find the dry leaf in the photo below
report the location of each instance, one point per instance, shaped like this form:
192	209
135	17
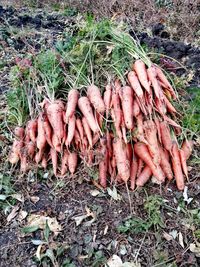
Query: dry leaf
22	215
94	192
19	197
105	230
167	236
34	199
195	248
180	239
40	221
38	252
13	213
89	213
114	261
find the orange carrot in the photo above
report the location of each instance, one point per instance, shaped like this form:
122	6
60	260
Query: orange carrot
32	129
127	106
136	108
135	84
41	139
71	130
142	151
71	103
123	128
144	176
47	129
87	131
55	115
183	162
140	166
85	108
162	77
99	118
140	128
44	162
15	152
54	158
95	98
117	110
107	98
129	152
169	106
77	138
141	72
176	165
64	163
165	165
151	137
79	127
19	132
123	164
171	122
187	147
95	138
30	149
165	136
134	169
55	142
23	162
160	106
157	123
152	75
72	162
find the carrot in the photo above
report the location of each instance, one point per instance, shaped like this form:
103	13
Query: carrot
171	122
149	101
151	137
123	164
176	165
127	106
129	152
144	176
141	72
87	131
23	162
56	143
117	110
183	162
86	109
109	143
164	163
140	166
162	77
99	118
157	123
19	132
152	75
79	127
95	138
135	84
95	98
187	147
140	128
55	115
32	129
44	162
142	151
107	98
136	108
169	106
72	162
165	136
161	108
30	149
134	169
47	130
77	138
15	152
54	158
123	128
71	103
41	139
90	158
71	130
117	87
64	163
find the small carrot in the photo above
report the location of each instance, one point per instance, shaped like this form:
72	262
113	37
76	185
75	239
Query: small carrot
140	166
169	106
30	149
165	136
136	108
86	109
44	162
183	162
19	132
71	103
187	147
79	127
72	162
47	129
64	162
41	139
107	98
71	130
141	72
135	84
87	131
176	165
129	152
95	98
140	128
165	164
32	126
144	176
15	152
127	106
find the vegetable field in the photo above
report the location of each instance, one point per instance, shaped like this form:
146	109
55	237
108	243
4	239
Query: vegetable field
99	139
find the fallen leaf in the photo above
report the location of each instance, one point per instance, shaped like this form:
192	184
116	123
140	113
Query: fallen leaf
22	215
105	230
185	195
173	233
13	213
40	221
167	236
114	261
89	213
94	192
38	254
113	193
195	248
34	199
19	197
180	239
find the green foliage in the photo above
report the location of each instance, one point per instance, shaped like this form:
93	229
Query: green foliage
136	225
6	192
164	3
191	113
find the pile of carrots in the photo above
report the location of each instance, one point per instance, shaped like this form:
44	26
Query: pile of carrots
127	131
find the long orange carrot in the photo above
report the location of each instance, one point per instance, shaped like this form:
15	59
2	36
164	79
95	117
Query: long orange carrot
165	164
141	72
135	84
187	147
183	162
95	98
72	162
71	130
47	129
165	136
107	98
136	108
144	176
87	131
127	106
79	127
152	75
71	103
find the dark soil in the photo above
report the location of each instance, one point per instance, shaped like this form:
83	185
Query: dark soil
84	242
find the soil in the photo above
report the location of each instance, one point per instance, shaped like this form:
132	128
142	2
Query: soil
85	241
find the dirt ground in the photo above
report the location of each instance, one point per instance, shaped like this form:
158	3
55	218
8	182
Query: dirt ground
90	220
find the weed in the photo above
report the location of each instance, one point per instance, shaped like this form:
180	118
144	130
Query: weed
136	225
